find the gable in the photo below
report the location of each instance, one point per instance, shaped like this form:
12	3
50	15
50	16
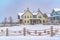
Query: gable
45	15
27	13
39	14
55	13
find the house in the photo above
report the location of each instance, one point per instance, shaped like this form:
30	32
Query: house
32	18
55	16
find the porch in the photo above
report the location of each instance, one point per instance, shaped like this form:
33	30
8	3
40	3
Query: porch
35	21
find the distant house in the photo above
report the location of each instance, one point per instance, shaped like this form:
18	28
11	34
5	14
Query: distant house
55	16
32	18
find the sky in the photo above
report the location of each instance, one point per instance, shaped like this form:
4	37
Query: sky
12	7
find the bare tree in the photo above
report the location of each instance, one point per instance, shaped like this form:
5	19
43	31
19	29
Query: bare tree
11	21
5	21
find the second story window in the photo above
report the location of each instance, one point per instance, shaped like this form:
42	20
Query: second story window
25	16
39	16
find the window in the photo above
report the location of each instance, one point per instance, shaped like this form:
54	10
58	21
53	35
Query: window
25	16
25	21
54	18
28	21
39	16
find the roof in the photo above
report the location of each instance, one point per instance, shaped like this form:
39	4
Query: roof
23	13
20	14
45	15
48	15
57	9
54	16
34	13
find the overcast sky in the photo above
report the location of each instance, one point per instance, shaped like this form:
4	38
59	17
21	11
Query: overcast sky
12	7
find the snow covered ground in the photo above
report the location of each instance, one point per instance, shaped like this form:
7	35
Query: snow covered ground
29	38
31	27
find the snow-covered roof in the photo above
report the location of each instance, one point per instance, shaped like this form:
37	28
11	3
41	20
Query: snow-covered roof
57	9
23	13
54	16
20	14
48	15
34	13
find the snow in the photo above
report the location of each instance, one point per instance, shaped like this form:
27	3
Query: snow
28	38
57	9
37	26
34	13
20	14
31	27
48	15
23	13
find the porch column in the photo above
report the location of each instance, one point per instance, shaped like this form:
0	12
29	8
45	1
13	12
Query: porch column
42	21
36	21
32	21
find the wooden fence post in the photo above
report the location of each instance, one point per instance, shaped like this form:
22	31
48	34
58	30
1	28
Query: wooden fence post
44	31
52	33
35	31
24	31
7	32
48	32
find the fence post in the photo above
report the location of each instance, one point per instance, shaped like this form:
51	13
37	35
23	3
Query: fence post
7	32
24	31
35	31
39	33
52	33
44	31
